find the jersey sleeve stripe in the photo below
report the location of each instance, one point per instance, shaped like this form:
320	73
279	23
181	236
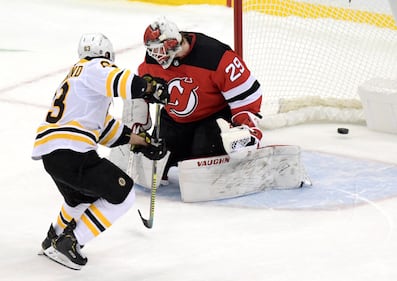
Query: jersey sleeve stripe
123	84
108	127
250	100
116	84
112	134
240	88
109	82
250	92
246	93
108	118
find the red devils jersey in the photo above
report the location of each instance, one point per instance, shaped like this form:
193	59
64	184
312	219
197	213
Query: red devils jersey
205	81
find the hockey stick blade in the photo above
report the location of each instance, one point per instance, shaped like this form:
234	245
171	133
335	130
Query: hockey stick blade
148	223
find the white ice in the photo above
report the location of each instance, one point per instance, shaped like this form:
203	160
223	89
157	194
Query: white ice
203	242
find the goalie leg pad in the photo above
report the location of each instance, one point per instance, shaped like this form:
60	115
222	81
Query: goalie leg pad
136	116
119	155
221	177
140	169
287	169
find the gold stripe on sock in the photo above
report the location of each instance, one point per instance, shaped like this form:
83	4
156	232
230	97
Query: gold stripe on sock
100	216
63	218
65	214
60	222
90	225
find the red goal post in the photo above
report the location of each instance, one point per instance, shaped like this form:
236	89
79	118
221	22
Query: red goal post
238	27
311	55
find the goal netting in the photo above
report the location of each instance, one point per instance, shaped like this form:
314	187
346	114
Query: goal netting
311	56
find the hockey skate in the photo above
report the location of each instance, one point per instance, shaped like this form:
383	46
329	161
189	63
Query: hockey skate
47	242
65	249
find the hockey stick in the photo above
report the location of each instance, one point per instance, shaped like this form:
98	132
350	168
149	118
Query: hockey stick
149	222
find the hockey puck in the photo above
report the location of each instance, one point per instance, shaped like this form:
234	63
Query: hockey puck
343	131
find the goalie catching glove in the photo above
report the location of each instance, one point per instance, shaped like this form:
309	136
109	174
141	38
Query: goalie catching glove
159	90
156	149
242	136
246	118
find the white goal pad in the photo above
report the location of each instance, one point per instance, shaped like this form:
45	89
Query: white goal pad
140	169
136	116
221	177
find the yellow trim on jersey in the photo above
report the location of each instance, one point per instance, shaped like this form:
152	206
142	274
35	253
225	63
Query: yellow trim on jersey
109	82
123	84
90	225
69	124
77	124
107	119
46	127
111	134
69	136
100	216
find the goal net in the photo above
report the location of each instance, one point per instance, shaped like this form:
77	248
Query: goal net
310	56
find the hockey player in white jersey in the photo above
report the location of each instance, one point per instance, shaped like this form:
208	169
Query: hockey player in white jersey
96	192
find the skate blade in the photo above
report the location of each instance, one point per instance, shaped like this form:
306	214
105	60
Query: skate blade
60	258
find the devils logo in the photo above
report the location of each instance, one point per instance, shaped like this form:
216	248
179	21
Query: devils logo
183	100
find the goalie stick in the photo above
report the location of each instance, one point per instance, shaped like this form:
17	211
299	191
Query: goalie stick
156	129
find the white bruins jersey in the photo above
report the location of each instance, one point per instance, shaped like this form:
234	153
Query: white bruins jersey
78	118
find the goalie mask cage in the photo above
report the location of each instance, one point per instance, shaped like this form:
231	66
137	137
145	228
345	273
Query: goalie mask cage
311	56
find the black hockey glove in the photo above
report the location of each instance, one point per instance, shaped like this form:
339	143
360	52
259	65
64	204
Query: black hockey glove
156	149
159	93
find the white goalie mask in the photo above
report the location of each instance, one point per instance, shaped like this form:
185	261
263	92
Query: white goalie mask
162	40
95	45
